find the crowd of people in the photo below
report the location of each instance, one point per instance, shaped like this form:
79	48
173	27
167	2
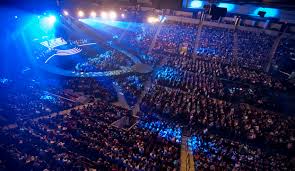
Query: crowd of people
229	110
216	41
285	55
132	87
175	36
139	36
83	139
27	100
213	152
108	61
254	49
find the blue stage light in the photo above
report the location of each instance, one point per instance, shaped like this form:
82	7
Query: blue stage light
52	19
270	12
15	17
230	7
104	15
196	4
47	23
112	15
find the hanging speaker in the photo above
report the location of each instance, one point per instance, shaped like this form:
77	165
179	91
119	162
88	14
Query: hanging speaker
261	13
218	12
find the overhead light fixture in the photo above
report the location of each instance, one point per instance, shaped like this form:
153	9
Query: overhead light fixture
66	13
81	13
93	14
113	15
104	15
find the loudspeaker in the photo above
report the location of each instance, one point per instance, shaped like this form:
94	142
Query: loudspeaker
261	13
222	11
218	12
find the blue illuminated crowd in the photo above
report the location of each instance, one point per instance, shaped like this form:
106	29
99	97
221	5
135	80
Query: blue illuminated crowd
216	41
132	87
230	111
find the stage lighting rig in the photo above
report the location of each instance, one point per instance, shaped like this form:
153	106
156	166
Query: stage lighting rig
93	14
66	13
153	20
51	19
112	15
104	15
81	14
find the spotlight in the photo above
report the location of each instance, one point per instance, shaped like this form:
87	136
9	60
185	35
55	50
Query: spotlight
104	15
113	15
153	20
16	17
123	15
51	19
80	14
39	17
93	14
66	13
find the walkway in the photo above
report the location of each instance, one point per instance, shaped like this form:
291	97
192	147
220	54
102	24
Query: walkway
131	56
273	52
197	42
186	157
147	86
121	98
155	38
123	34
69	73
235	49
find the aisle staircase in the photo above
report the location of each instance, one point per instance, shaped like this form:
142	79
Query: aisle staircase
121	98
235	49
147	86
197	42
273	52
123	34
155	37
186	157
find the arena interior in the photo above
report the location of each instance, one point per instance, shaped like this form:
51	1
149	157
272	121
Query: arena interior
147	85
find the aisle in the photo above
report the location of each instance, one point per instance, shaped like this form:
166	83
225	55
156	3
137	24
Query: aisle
147	86
121	98
186	157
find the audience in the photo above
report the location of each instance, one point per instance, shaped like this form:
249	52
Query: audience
228	108
254	49
285	55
